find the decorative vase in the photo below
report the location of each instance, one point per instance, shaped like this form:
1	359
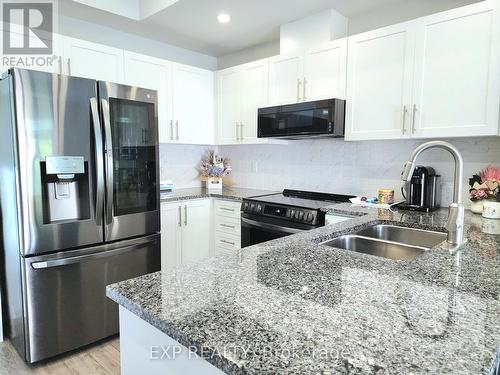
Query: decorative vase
491	210
477	207
213	183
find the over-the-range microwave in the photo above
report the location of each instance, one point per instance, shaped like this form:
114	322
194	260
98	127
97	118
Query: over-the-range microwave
321	118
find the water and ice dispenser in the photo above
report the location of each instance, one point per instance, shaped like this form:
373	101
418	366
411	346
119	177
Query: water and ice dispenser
65	188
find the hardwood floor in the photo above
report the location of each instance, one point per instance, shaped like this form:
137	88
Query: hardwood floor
102	358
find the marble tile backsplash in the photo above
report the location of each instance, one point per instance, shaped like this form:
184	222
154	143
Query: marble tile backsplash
359	168
179	163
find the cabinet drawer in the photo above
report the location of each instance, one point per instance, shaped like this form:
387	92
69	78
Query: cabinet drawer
227	208
227	225
226	241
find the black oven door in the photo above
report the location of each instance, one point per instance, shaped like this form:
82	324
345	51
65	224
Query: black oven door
257	229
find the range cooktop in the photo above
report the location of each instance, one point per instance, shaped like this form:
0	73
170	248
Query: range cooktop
293	205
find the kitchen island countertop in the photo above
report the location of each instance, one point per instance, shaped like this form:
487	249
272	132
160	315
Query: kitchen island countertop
293	306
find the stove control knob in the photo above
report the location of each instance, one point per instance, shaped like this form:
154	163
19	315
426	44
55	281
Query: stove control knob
300	215
258	208
252	206
245	206
292	214
288	213
310	217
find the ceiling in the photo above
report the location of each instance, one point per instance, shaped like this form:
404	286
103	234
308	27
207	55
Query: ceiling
192	24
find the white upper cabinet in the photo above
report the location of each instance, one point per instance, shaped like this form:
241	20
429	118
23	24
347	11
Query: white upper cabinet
228	105
152	73
318	73
436	76
285	79
193	104
254	95
92	60
457	72
241	91
379	83
325	71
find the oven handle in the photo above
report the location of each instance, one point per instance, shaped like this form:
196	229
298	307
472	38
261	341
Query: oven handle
277	228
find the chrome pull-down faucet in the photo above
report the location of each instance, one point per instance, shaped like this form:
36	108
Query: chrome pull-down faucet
455	225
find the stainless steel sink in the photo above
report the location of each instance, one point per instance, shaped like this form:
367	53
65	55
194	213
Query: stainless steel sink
407	236
389	241
373	246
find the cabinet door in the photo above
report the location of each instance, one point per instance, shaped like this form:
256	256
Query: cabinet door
152	73
325	71
254	95
170	235
92	60
193	102
229	91
457	73
379	83
285	79
196	231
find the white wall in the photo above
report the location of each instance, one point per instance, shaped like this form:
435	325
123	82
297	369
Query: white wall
100	34
400	12
381	16
360	168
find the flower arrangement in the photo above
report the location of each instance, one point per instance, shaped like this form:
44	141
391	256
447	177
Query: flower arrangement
214	166
485	184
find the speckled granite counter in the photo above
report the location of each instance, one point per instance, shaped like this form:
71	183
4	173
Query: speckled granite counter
228	193
292	306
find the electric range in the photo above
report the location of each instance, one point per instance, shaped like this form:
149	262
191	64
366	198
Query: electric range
267	217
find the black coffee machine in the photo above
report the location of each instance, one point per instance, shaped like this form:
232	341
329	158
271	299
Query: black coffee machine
423	192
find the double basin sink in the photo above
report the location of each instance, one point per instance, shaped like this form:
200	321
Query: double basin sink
389	241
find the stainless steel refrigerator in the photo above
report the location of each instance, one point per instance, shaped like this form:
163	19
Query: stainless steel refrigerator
79	201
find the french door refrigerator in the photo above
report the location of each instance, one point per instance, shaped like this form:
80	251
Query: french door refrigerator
80	204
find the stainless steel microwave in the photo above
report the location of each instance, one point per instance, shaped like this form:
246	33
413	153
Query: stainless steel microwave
321	118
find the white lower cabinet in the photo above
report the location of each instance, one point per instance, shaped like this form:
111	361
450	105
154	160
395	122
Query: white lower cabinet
192	230
227	226
185	232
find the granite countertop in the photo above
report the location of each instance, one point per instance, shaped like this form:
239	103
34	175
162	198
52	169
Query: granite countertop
293	306
229	193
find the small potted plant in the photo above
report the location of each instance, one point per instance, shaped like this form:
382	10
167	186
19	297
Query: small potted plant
213	168
484	187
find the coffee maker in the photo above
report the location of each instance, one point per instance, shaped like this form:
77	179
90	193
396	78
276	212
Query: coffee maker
423	191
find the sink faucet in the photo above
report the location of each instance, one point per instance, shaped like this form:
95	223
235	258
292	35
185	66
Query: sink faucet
455	225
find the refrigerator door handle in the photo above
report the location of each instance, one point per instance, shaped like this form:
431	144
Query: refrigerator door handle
99	200
81	258
109	160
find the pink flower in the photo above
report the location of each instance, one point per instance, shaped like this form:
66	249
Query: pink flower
490	173
477	194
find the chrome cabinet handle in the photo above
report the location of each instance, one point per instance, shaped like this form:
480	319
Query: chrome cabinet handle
304	89
227	209
228	226
299	82
237	134
171	130
59	60
177	128
185	215
403	127
228	242
99	197
414	109
69	66
180	217
241	131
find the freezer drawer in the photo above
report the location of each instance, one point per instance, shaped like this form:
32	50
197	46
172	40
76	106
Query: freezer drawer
65	293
